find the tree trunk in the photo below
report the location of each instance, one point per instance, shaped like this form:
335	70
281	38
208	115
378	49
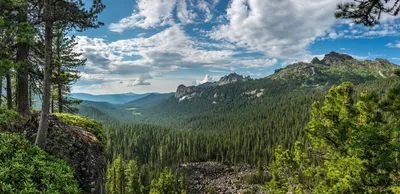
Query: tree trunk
22	70
30	96
44	117
9	91
60	99
60	31
52	105
60	96
1	88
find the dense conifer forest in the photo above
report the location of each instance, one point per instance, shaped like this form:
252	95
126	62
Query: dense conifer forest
330	125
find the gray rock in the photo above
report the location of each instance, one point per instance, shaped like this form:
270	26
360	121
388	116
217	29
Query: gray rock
80	149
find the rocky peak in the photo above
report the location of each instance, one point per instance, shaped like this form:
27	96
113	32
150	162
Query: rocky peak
183	91
334	57
232	78
315	61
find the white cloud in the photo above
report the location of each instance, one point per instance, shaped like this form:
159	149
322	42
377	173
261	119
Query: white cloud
185	15
206	79
394	45
156	13
280	29
149	13
141	81
386	28
255	63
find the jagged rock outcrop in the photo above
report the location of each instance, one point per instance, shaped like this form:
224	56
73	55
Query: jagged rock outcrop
334	57
232	78
315	60
183	91
79	148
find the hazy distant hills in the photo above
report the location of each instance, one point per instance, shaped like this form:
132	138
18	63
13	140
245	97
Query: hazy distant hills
240	100
148	101
110	98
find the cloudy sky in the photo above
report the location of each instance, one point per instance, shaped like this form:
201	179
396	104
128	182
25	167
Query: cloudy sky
155	45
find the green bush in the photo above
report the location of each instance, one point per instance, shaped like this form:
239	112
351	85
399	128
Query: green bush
25	168
88	124
8	116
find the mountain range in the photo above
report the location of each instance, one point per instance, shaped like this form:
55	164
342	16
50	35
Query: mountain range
110	98
237	100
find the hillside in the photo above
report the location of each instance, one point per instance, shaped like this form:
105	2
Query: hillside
205	106
235	96
110	98
148	101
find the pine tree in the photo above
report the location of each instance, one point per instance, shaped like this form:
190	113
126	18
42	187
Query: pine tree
73	15
66	68
367	12
351	151
133	184
116	177
24	37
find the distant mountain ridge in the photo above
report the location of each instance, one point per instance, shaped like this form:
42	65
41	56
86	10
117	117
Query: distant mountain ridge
336	67
204	105
110	98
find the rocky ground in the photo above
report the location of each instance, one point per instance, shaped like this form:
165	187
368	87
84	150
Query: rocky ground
211	177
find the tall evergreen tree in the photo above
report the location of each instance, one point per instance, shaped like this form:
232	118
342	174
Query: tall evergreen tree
24	36
66	68
72	14
132	176
116	177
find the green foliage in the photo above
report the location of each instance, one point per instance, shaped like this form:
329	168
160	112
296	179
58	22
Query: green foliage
88	124
210	190
167	183
25	168
353	148
8	117
367	12
123	177
132	177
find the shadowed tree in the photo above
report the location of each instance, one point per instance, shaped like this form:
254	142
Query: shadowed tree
73	15
367	12
66	64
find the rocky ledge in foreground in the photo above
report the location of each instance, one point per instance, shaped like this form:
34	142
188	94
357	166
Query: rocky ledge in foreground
212	177
79	148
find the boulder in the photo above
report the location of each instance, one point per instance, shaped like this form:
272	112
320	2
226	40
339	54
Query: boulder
80	149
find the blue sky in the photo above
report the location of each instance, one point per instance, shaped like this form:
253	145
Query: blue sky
155	45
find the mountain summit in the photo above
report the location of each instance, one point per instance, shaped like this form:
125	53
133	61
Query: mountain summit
232	78
335	68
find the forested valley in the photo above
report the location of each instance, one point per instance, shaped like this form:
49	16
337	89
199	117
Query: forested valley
330	125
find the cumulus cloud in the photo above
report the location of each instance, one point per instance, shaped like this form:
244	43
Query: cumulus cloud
168	50
280	29
156	13
394	45
206	79
149	13
141	81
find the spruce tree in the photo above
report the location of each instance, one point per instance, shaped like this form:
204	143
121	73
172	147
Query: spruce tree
75	16
66	68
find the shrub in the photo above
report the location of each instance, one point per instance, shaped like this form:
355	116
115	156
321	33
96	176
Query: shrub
8	117
25	168
88	124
